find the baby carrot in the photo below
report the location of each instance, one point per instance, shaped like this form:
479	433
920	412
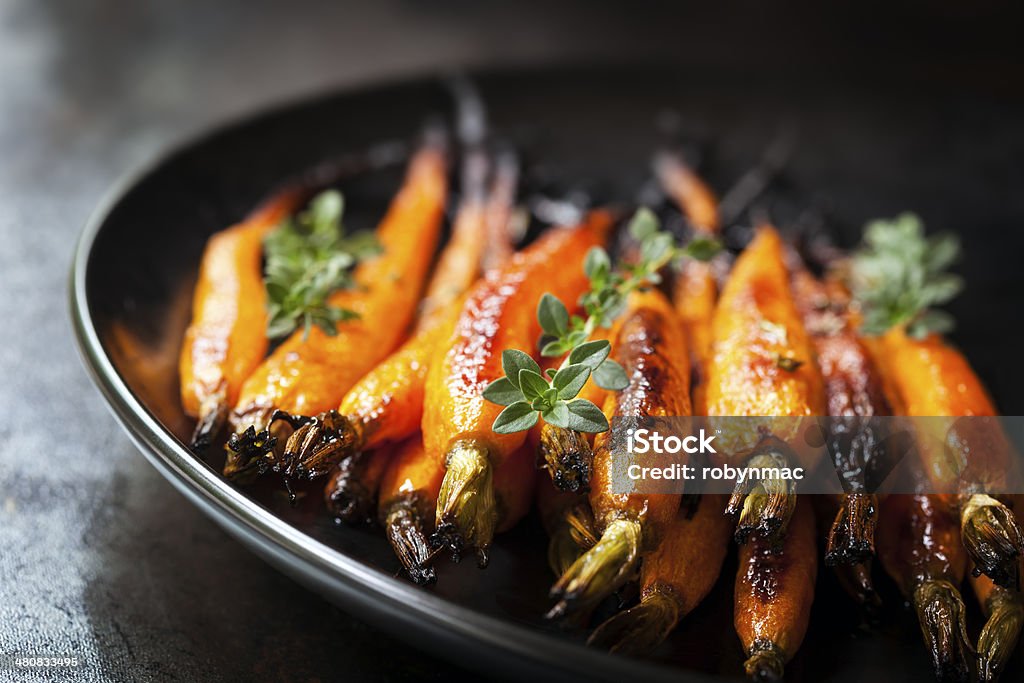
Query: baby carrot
762	365
227	339
305	376
500	313
408	493
919	546
387	404
674	579
774	593
695	291
934	379
651	347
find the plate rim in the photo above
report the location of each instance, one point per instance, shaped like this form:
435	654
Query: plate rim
391	603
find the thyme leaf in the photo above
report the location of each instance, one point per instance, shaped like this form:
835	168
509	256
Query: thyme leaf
308	258
899	274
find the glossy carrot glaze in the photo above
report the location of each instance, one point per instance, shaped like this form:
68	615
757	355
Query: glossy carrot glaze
934	380
762	361
651	347
853	390
969	456
762	367
773	596
919	547
387	403
499	314
306	376
674	579
227	338
696	290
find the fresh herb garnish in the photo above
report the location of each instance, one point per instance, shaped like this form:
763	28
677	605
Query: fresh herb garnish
307	259
530	394
899	274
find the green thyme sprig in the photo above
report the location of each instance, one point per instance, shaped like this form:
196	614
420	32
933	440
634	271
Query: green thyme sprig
898	275
307	259
530	394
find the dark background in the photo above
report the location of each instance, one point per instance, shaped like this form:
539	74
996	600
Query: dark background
99	557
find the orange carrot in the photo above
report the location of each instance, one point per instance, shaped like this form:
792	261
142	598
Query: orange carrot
774	593
387	404
762	366
674	579
919	546
934	379
306	376
651	347
227	338
499	314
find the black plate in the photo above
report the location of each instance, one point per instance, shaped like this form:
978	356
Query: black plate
861	152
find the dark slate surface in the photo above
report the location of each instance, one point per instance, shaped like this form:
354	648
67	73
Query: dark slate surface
99	557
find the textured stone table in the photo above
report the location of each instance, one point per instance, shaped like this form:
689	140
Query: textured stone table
99	557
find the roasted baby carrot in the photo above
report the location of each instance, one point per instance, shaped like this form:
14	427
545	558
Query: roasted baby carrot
383	407
774	593
651	347
306	376
387	404
934	379
227	338
696	289
500	313
919	546
408	495
674	579
853	395
762	365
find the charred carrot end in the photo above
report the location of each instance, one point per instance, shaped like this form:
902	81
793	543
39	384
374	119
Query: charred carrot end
765	506
941	614
765	662
568	458
1001	632
599	571
213	414
851	539
249	454
351	491
639	629
317	444
467	511
406	532
992	538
